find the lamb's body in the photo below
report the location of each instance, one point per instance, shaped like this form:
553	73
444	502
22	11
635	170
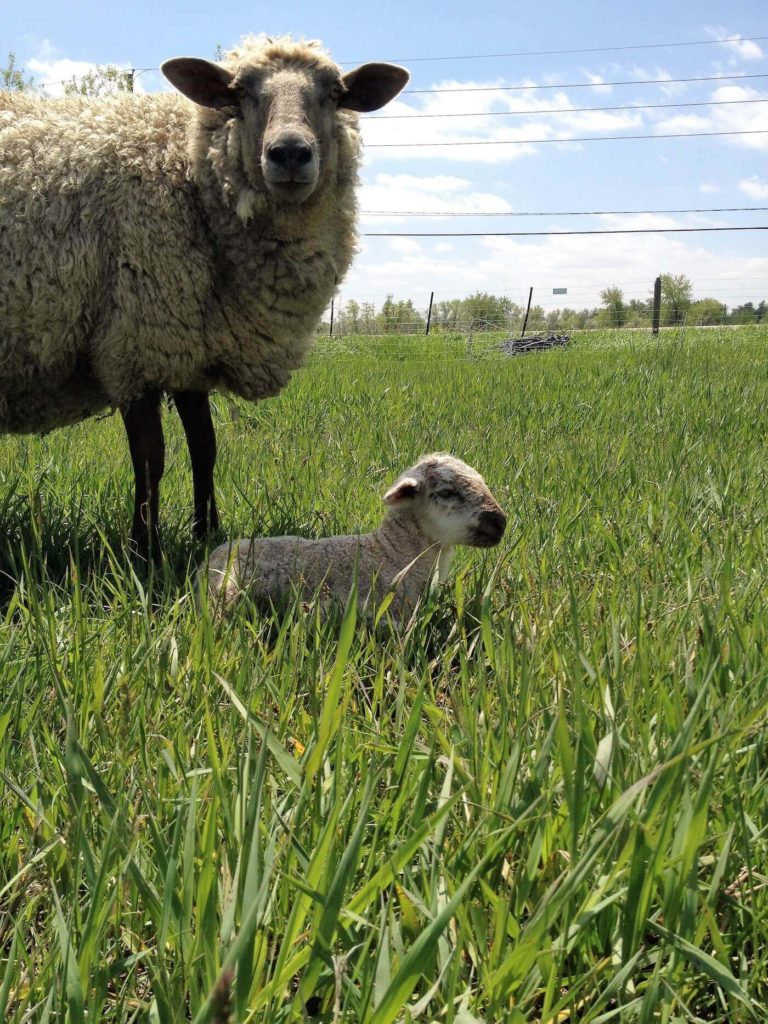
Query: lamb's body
436	504
140	276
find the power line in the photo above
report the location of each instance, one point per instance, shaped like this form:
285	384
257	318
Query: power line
557	213
583	138
586	85
509	234
564	110
584	49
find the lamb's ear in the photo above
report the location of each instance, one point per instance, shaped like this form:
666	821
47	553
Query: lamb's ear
201	81
407	487
370	86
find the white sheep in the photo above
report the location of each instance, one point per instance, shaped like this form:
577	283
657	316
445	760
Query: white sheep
438	503
176	243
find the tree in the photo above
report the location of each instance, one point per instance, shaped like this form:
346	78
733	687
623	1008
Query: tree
707	312
12	77
106	80
614	311
676	298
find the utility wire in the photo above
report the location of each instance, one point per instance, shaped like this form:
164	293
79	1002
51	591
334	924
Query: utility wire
583	138
585	85
510	234
508	88
557	213
583	49
564	110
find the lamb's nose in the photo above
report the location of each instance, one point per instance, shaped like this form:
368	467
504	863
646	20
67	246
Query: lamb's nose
289	152
494	522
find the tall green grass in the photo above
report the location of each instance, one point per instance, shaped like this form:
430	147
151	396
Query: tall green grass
543	801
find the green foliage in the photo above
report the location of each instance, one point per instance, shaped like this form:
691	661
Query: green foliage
543	800
676	298
12	78
614	312
106	80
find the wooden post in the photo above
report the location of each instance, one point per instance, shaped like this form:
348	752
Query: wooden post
528	310
330	329
429	314
656	305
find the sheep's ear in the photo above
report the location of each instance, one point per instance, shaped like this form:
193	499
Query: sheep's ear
201	81
370	86
405	489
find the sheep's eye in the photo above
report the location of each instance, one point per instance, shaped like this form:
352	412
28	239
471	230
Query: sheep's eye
446	493
337	91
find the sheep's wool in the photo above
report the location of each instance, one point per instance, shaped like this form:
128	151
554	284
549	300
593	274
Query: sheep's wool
137	251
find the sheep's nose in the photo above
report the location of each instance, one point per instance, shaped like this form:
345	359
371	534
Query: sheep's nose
289	152
490	528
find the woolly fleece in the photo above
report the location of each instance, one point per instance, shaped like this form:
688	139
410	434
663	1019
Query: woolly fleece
137	251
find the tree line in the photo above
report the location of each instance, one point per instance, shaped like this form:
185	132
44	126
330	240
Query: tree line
483	311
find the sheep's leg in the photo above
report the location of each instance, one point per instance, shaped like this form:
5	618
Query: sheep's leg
144	428
195	413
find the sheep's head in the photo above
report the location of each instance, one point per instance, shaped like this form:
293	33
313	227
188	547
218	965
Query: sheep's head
450	501
288	95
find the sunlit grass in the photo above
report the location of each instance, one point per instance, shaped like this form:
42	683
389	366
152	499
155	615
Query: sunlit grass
544	801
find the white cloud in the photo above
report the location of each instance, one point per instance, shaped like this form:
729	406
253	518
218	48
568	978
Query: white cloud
583	264
744	49
754	187
391	194
707	188
491	126
733	117
598	82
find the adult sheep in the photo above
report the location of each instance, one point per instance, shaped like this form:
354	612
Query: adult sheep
176	244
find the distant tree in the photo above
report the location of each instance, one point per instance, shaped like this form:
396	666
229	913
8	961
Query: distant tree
614	311
748	313
351	314
676	298
104	80
12	77
707	312
638	313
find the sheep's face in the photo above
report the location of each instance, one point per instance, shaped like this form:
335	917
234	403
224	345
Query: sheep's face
450	501
288	96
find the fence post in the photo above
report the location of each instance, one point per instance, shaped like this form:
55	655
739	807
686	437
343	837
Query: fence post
330	329
528	310
656	305
429	313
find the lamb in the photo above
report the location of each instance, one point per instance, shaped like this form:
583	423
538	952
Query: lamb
176	243
438	503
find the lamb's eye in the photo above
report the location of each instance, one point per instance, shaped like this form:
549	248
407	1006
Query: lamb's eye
337	91
447	493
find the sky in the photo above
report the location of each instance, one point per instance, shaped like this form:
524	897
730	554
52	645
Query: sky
486	52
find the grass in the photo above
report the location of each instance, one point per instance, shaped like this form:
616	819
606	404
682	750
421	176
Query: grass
545	801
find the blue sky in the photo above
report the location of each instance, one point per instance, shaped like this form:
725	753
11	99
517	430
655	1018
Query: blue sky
56	40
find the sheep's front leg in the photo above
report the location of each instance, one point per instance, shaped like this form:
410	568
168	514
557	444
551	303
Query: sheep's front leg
144	428
195	413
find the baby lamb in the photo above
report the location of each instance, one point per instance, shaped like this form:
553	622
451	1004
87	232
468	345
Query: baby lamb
438	503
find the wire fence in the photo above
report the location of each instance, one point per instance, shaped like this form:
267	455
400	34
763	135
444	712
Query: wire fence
472	316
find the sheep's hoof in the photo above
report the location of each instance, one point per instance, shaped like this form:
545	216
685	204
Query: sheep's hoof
145	548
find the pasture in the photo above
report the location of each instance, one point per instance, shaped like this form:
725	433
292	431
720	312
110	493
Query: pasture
543	801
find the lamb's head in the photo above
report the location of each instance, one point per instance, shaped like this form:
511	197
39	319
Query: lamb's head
449	501
289	96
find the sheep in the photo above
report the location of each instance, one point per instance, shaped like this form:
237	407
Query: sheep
436	504
176	244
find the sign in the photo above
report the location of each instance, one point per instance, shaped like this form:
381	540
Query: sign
559	291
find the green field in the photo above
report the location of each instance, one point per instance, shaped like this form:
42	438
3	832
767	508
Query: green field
546	800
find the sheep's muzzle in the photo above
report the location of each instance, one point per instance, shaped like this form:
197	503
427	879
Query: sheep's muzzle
290	165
